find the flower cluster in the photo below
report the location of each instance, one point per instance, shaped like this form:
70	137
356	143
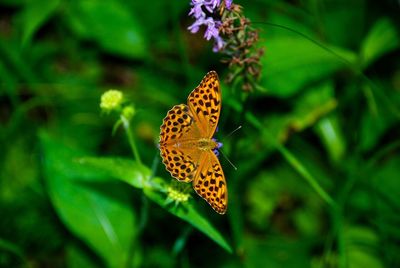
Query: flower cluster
202	11
233	36
178	192
111	100
243	56
114	101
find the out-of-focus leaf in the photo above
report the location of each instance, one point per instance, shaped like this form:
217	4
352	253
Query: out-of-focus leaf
309	108
262	198
14	179
372	128
361	247
119	168
13	3
380	116
275	190
77	258
9	83
382	38
181	241
34	15
11	56
386	180
341	21
312	105
329	131
276	252
110	24
158	256
7	247
94	209
292	63
188	213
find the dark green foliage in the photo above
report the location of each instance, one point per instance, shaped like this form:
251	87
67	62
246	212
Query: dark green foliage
318	157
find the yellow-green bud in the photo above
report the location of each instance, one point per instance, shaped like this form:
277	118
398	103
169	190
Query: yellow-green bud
178	192
111	100
128	112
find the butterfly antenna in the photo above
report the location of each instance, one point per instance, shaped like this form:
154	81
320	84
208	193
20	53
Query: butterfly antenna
233	131
228	160
227	136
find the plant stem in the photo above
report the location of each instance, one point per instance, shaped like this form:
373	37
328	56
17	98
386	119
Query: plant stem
292	160
295	163
126	124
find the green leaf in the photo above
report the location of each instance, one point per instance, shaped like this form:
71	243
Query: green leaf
93	208
276	251
310	106
381	115
110	24
13	3
119	168
341	21
77	257
154	188
187	212
331	135
362	245
15	62
382	38
292	63
386	180
34	15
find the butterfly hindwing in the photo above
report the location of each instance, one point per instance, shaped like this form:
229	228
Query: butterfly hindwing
210	183
180	163
179	158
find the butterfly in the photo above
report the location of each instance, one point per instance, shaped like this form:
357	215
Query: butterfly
187	146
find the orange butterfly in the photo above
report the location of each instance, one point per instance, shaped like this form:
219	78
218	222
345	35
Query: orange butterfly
187	147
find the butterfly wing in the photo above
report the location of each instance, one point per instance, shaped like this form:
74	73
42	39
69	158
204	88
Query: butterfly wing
180	156
210	183
205	104
177	126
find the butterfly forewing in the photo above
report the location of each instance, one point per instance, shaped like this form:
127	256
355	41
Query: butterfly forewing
205	104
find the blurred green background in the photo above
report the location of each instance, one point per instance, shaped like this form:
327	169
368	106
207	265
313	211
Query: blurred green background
318	178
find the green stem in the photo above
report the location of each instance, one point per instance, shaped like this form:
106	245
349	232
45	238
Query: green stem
292	160
338	228
126	124
295	163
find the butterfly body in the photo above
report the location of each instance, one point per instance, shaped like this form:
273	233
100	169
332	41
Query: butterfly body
187	147
206	144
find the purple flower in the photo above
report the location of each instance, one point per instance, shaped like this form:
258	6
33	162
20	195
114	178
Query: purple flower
212	4
218	44
197	9
228	4
194	28
212	28
198	12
